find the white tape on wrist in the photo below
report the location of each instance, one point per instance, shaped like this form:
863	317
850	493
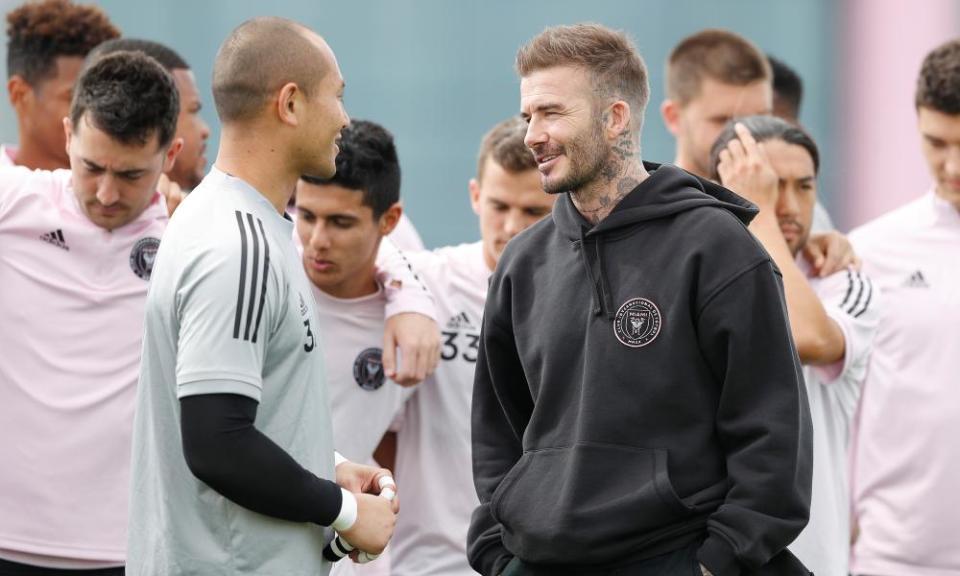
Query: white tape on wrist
388	490
338	459
348	512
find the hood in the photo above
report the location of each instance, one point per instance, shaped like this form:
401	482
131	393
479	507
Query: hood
669	190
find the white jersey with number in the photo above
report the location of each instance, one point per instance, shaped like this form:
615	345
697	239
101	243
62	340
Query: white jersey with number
852	301
434	465
363	401
71	319
230	310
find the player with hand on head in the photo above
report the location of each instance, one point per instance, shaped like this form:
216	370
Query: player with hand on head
712	77
833	319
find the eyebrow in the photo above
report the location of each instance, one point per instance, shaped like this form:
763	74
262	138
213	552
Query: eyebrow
128	172
543	107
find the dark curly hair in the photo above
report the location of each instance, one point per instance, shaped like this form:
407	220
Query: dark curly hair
166	56
368	163
129	96
39	32
938	86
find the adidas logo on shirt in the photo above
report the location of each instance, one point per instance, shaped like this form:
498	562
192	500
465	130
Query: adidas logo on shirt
459	321
55	238
916	280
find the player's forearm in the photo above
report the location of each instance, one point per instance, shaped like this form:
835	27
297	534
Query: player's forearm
224	450
402	287
816	336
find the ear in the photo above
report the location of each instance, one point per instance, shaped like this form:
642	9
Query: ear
390	219
475	195
670	110
68	131
288	104
20	92
618	120
170	158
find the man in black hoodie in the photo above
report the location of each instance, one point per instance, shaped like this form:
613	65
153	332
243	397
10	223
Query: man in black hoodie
638	406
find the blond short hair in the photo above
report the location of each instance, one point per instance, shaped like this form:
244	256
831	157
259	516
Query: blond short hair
615	66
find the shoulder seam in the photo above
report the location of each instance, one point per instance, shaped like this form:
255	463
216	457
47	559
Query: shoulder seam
733	277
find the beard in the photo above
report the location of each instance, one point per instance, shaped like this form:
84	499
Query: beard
587	155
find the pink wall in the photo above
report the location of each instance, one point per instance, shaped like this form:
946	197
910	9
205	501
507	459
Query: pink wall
883	45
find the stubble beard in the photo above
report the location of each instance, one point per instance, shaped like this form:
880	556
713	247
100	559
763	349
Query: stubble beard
587	157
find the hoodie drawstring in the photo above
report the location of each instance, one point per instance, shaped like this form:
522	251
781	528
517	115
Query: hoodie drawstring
605	298
593	281
602	301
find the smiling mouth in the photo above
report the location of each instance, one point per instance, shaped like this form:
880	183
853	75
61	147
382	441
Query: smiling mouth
546	161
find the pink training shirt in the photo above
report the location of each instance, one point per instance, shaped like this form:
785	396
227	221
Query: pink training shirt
71	319
905	475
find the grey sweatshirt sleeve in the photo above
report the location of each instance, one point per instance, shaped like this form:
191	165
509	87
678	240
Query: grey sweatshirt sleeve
498	421
763	421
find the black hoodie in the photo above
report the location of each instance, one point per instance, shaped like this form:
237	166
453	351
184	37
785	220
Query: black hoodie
637	389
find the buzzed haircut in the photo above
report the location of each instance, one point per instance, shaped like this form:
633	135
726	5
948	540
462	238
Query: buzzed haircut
367	163
129	96
40	32
614	64
166	56
504	145
764	128
257	59
938	85
716	54
787	86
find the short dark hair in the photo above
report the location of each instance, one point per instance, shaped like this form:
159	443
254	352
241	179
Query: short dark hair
765	128
504	145
40	32
129	96
938	86
717	54
368	163
257	59
787	86
166	56
609	56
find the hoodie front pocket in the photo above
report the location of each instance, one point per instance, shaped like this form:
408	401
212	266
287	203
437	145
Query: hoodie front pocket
591	502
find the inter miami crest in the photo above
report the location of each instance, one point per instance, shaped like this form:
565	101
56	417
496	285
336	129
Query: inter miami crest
142	256
637	323
368	369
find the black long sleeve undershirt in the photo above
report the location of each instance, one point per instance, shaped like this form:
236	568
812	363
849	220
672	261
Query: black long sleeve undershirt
225	450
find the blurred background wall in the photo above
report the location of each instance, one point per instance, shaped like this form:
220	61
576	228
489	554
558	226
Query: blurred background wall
439	73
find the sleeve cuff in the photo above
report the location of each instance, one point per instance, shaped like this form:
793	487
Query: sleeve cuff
218	386
718	557
348	512
416	302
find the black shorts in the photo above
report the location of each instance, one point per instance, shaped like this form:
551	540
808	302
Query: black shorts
8	568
